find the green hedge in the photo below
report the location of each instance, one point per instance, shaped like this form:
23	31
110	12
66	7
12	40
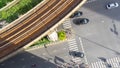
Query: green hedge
61	35
4	2
41	42
20	8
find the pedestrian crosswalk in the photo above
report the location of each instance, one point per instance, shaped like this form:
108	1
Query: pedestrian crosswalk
67	24
72	45
110	63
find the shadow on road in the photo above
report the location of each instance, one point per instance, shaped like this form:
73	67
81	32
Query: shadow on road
114	29
26	60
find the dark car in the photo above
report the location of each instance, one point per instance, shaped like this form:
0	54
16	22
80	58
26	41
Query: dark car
76	54
79	21
76	14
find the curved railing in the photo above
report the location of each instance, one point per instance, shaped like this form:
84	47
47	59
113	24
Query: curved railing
36	24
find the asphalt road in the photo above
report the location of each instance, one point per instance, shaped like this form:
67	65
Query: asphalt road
101	36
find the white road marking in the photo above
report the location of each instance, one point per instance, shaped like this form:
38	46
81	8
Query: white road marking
72	45
114	62
85	58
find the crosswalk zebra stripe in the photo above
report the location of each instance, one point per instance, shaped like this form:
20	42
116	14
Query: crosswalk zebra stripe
92	65
67	25
72	41
72	46
95	65
109	61
103	64
118	59
76	59
100	64
74	49
114	62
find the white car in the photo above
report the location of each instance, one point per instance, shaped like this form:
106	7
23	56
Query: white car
112	5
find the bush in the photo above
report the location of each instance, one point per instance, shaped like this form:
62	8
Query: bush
20	8
42	41
4	2
62	35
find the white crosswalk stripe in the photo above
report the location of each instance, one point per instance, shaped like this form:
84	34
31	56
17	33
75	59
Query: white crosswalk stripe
67	24
114	62
72	45
77	60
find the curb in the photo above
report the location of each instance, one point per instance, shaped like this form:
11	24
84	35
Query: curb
41	46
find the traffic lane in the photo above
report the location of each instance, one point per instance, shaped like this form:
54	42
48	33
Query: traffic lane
99	6
103	42
98	33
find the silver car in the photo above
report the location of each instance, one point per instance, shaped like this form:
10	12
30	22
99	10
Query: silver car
112	5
